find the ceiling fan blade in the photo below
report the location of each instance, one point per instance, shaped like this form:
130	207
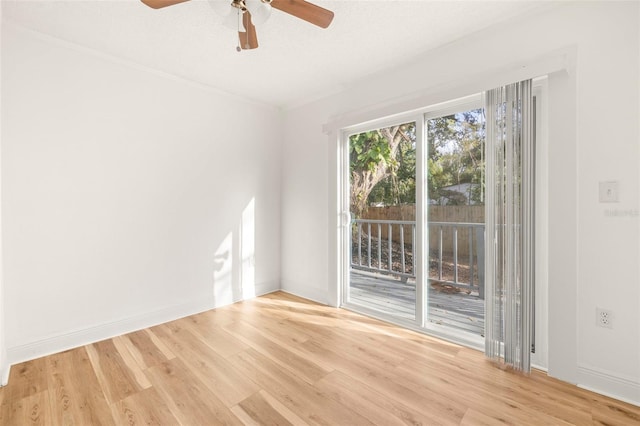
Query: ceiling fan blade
248	39
305	11
159	4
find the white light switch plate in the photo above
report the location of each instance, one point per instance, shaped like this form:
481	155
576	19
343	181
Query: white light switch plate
609	192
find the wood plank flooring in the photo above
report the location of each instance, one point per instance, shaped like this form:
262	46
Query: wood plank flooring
281	360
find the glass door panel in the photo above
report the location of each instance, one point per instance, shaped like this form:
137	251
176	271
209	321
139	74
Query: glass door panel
382	204
455	220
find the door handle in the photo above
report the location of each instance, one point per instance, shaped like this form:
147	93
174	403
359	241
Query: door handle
345	218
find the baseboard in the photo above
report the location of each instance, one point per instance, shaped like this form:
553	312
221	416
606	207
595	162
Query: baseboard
305	293
81	337
85	336
607	383
540	368
266	288
4	374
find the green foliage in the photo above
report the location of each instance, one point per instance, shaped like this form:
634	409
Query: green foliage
382	165
399	187
455	144
369	150
454	156
437	178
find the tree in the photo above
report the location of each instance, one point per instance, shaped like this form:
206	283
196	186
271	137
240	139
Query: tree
398	187
455	144
383	162
374	156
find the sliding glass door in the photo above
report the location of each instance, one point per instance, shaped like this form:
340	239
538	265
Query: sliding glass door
413	222
414	236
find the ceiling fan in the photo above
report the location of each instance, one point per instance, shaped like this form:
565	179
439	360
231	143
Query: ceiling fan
243	15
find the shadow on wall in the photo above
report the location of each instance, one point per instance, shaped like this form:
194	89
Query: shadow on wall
234	274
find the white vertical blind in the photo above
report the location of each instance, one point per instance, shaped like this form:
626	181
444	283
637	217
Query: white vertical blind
509	224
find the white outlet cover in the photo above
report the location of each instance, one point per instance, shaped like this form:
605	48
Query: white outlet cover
604	318
609	192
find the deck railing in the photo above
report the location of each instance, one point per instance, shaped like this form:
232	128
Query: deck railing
386	247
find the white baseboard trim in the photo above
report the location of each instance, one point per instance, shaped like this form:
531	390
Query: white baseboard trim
309	294
4	374
540	368
607	383
266	288
85	336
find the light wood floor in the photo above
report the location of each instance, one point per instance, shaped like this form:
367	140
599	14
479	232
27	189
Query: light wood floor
279	359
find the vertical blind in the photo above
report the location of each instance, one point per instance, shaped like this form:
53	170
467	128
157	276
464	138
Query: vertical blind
509	225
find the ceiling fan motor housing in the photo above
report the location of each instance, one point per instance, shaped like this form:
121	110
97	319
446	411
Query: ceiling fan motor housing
239	4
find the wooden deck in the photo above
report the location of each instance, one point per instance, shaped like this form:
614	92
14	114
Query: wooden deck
458	310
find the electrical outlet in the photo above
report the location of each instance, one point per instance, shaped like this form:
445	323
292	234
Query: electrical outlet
604	318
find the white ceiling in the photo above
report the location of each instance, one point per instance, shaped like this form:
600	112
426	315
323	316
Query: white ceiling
295	62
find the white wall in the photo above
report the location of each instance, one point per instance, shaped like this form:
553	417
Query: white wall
593	137
128	197
305	195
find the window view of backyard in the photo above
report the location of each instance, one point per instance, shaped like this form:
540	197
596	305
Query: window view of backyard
383	210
